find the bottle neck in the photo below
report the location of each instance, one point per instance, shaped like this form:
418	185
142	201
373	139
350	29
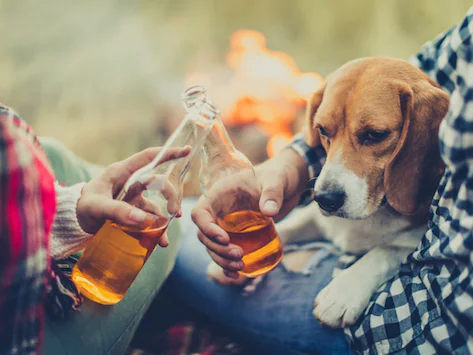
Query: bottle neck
218	144
194	132
220	158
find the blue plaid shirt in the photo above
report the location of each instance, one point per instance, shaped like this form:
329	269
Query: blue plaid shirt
427	308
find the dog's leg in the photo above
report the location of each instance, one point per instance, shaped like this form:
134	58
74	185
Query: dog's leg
344	299
302	225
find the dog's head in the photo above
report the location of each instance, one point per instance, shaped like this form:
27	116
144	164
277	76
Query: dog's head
378	120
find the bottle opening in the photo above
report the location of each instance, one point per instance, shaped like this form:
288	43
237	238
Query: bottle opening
209	111
192	95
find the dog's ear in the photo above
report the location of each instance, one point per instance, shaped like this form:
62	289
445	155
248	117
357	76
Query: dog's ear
311	134
415	169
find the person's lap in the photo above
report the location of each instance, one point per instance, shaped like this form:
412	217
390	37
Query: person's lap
98	329
276	317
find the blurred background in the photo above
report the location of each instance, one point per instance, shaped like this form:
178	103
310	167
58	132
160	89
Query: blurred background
105	76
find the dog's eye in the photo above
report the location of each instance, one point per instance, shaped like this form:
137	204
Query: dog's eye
372	137
322	131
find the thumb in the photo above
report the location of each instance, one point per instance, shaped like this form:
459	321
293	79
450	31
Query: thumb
121	212
272	196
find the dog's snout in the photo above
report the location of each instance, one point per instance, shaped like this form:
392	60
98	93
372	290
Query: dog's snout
330	201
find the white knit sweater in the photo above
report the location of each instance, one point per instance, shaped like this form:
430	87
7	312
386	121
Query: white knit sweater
67	236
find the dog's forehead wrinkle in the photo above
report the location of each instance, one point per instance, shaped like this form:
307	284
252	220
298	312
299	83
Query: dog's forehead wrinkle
357	102
331	121
351	135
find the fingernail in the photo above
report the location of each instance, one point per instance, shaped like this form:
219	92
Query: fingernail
137	215
270	206
235	253
164	241
237	265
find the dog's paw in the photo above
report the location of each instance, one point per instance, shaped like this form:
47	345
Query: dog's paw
342	301
215	272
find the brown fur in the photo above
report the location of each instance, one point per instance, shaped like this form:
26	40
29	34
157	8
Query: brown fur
383	94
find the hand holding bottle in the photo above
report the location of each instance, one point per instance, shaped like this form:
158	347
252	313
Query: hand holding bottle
282	179
97	203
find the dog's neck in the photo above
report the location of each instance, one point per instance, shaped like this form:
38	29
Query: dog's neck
416	219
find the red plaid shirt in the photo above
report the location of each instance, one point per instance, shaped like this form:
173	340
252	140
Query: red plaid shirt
27	208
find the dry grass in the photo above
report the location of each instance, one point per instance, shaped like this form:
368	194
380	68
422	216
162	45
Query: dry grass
98	74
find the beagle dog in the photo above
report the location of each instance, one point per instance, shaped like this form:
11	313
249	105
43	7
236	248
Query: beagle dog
378	120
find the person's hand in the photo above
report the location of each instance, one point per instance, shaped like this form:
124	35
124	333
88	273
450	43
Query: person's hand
282	178
97	203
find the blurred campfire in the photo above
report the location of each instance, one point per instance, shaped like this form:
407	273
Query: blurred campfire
262	96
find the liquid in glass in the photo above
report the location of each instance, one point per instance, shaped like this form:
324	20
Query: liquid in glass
256	235
124	251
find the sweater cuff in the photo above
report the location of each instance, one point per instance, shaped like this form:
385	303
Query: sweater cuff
67	235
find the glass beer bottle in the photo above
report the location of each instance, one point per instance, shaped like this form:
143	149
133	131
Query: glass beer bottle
116	254
228	181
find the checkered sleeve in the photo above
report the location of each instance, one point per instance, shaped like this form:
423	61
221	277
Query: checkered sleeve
314	158
427	308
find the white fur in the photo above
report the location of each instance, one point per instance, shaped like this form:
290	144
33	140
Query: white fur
334	175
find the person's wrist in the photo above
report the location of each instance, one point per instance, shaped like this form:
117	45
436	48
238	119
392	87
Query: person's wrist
79	210
83	211
288	165
297	169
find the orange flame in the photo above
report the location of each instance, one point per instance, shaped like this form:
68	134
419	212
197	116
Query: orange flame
266	87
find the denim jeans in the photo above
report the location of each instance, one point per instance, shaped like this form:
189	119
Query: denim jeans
276	318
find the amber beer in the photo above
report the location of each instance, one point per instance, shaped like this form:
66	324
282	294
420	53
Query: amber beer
123	251
256	235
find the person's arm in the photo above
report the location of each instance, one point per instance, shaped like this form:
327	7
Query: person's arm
314	158
67	235
83	208
438	58
26	210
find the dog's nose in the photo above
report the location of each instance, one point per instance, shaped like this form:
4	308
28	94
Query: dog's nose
330	201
